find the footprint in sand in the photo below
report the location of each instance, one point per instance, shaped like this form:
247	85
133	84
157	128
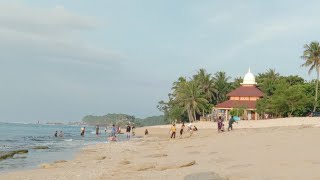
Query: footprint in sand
240	165
194	152
213	153
157	155
205	176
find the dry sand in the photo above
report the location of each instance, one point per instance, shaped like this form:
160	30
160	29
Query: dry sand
269	149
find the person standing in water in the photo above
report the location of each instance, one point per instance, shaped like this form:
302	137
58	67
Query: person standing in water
61	134
56	134
128	131
97	130
83	129
113	131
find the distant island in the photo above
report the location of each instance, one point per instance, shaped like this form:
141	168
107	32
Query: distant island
123	119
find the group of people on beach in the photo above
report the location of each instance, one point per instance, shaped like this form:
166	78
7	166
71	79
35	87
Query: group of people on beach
221	124
192	128
173	129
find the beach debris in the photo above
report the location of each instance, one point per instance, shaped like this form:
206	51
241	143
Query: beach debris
205	176
10	154
40	147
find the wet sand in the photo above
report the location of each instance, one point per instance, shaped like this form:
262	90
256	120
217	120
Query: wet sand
249	152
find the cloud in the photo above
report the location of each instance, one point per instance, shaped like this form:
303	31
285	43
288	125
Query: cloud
274	29
54	33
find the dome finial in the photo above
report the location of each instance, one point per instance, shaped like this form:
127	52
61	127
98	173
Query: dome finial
249	70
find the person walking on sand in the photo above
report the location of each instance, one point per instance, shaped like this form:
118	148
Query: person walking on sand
128	131
231	121
190	129
146	132
219	124
182	129
173	131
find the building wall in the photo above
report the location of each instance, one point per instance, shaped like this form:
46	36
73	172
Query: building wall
248	98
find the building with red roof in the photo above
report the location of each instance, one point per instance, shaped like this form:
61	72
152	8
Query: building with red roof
245	97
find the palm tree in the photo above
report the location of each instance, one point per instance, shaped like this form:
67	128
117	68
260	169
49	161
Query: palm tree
177	85
311	55
190	96
206	83
222	86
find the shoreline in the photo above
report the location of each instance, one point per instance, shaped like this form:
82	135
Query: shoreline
206	152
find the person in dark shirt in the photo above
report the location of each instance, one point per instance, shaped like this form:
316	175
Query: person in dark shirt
97	130
146	132
231	121
56	134
128	130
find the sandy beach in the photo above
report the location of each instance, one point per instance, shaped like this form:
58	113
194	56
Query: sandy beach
266	149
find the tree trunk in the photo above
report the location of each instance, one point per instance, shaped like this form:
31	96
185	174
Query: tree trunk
316	96
203	113
190	116
194	115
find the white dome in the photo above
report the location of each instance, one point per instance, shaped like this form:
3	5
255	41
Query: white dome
249	79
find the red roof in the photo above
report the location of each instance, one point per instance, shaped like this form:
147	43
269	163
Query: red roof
237	104
242	91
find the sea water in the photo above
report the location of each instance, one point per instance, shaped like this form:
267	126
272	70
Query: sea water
15	136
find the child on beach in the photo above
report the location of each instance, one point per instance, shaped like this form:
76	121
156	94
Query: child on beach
173	131
146	132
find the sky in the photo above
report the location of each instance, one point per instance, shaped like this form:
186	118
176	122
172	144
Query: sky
62	60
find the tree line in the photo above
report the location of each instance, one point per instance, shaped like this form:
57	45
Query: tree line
283	95
123	120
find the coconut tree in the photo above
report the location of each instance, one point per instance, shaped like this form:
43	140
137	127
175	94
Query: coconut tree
190	96
222	86
205	83
311	55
